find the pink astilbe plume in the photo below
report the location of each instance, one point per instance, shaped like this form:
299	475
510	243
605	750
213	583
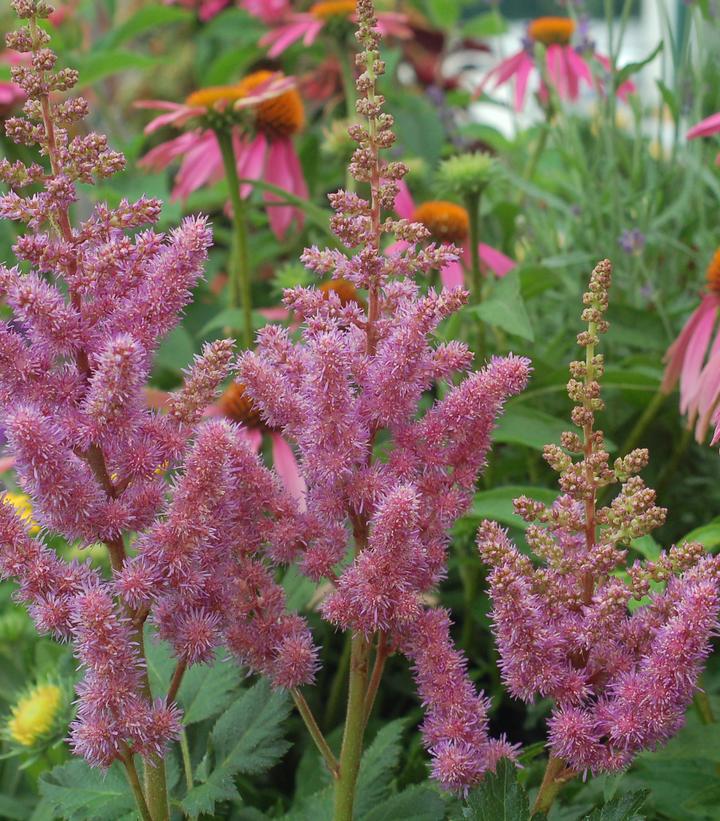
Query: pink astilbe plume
620	677
357	377
91	303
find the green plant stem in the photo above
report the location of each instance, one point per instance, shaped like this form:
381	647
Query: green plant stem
473	207
134	782
352	743
338	684
187	762
156	788
381	655
315	732
703	707
650	412
556	774
239	268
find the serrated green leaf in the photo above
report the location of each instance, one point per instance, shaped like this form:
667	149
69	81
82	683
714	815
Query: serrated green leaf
499	797
144	20
419	802
505	308
377	767
247	738
78	792
621	808
318	807
206	690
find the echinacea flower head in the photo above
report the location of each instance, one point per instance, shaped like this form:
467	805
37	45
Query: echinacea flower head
467	175
332	15
35	714
263	111
693	359
566	65
448	222
551	30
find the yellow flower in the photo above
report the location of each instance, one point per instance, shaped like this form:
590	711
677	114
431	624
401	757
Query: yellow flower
34	714
21	503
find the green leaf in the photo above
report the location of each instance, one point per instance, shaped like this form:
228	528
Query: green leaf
419	802
176	351
418	128
443	13
497	503
76	791
206	690
232	318
15	807
670	99
621	808
377	767
625	72
489	24
536	279
505	308
708	535
499	797
523	425
146	19
99	65
247	738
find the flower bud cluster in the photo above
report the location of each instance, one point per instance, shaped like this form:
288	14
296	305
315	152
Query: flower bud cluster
621	678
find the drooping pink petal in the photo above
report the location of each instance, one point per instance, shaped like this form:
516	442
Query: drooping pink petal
202	163
404	203
287	467
282	37
495	260
710	125
394	24
579	66
562	71
283	171
708	394
163	154
695	354
178	113
250	160
504	71
397	248
675	354
453	275
626	88
253	436
521	82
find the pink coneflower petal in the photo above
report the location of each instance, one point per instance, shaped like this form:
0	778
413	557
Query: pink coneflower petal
710	125
708	393
163	154
202	164
303	27
504	70
404	203
287	467
495	260
521	83
250	161
695	354
178	113
394	24
453	275
397	248
282	171
675	354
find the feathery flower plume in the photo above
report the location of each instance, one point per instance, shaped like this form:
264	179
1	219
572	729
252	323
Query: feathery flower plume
359	370
621	678
91	305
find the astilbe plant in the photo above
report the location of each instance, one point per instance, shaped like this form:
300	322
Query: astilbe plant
617	648
195	525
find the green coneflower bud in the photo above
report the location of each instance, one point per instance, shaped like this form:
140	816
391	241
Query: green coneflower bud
467	175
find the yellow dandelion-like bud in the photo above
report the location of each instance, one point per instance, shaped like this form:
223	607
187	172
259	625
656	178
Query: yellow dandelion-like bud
23	507
34	714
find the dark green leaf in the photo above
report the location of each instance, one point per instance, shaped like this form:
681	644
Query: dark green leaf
708	535
497	503
505	308
524	425
621	808
377	767
627	71
443	13
206	690
418	128
247	738
670	99
489	24
421	803
146	19
499	797
99	65
77	791
176	351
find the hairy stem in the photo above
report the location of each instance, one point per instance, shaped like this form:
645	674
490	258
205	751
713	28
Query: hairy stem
187	763
381	655
315	732
134	781
556	775
352	744
239	267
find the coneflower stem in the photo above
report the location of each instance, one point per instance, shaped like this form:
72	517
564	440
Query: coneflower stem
187	762
239	267
473	207
134	782
315	732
